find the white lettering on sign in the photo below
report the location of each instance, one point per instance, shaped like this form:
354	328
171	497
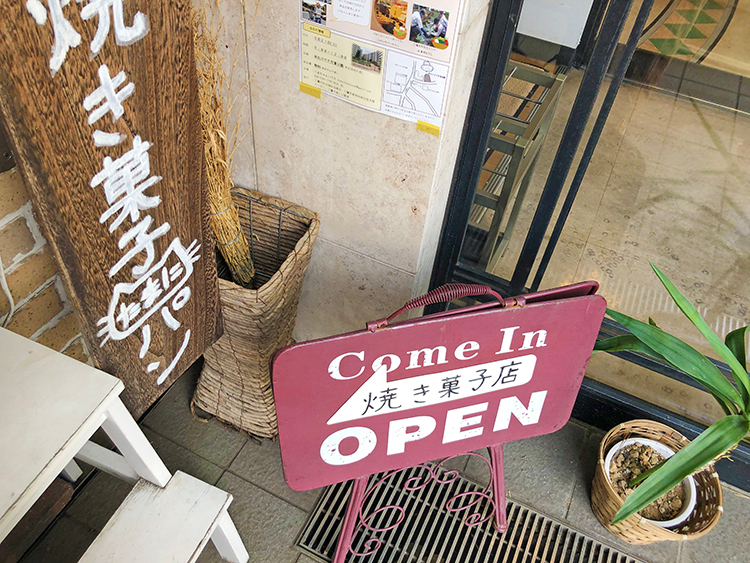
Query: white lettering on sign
512	406
456	423
133	303
124	35
393	362
143	242
38	11
107	97
159	284
398	433
379	396
469	346
459	425
162	287
125	183
334	368
528	338
65	35
330	448
507	339
428	353
431	356
102	139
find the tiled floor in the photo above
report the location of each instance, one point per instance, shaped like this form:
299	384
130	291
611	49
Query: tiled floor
551	473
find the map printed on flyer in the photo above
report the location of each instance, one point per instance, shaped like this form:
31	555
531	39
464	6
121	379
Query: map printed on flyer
390	56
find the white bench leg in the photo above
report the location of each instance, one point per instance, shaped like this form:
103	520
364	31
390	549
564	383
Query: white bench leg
72	472
108	461
134	446
228	542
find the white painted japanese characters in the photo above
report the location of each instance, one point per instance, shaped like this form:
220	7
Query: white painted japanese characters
66	37
100	98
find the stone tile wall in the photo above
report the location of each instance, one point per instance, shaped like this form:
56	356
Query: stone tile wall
379	185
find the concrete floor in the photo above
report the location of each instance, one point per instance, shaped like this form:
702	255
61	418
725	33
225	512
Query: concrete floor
550	473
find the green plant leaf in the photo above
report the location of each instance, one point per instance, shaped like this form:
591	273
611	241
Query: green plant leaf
738	371
717	439
626	343
630	342
682	356
735	341
652	322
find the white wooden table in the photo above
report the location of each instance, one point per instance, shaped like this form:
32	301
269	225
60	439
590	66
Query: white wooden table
50	405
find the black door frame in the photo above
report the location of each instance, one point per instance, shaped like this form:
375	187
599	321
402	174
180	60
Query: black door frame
597	404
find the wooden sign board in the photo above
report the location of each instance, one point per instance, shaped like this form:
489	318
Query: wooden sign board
100	100
394	397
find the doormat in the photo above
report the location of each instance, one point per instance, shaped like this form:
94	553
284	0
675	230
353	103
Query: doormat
433	528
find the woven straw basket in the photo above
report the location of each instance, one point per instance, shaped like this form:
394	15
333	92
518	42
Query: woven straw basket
235	384
605	502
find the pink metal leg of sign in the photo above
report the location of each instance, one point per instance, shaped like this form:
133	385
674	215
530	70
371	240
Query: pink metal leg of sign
498	487
463	502
350	520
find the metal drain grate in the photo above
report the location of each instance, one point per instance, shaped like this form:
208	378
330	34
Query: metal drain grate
430	533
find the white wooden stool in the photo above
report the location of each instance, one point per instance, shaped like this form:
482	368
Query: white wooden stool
169	524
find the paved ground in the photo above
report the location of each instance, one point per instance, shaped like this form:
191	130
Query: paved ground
551	473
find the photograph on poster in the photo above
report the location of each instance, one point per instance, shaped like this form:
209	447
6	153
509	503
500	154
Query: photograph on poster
315	11
367	57
389	16
429	26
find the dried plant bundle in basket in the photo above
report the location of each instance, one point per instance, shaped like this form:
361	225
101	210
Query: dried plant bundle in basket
212	83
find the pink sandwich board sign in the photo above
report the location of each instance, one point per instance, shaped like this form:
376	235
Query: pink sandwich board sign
397	395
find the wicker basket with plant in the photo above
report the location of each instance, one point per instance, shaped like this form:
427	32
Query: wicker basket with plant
691	458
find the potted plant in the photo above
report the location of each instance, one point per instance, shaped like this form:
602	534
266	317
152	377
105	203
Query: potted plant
691	458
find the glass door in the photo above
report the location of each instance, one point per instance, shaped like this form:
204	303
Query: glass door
593	173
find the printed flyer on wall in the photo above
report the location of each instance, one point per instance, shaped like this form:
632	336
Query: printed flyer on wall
390	56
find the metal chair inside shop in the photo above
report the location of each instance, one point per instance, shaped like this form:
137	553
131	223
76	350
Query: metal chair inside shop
512	151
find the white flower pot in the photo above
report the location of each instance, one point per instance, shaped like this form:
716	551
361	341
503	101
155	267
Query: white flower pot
688	483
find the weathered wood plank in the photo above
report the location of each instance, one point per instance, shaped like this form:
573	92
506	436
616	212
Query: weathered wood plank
169	524
77	200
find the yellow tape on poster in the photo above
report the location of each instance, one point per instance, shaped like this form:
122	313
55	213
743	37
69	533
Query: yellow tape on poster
428	128
307	89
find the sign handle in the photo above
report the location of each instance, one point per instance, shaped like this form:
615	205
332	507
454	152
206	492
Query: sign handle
441	294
